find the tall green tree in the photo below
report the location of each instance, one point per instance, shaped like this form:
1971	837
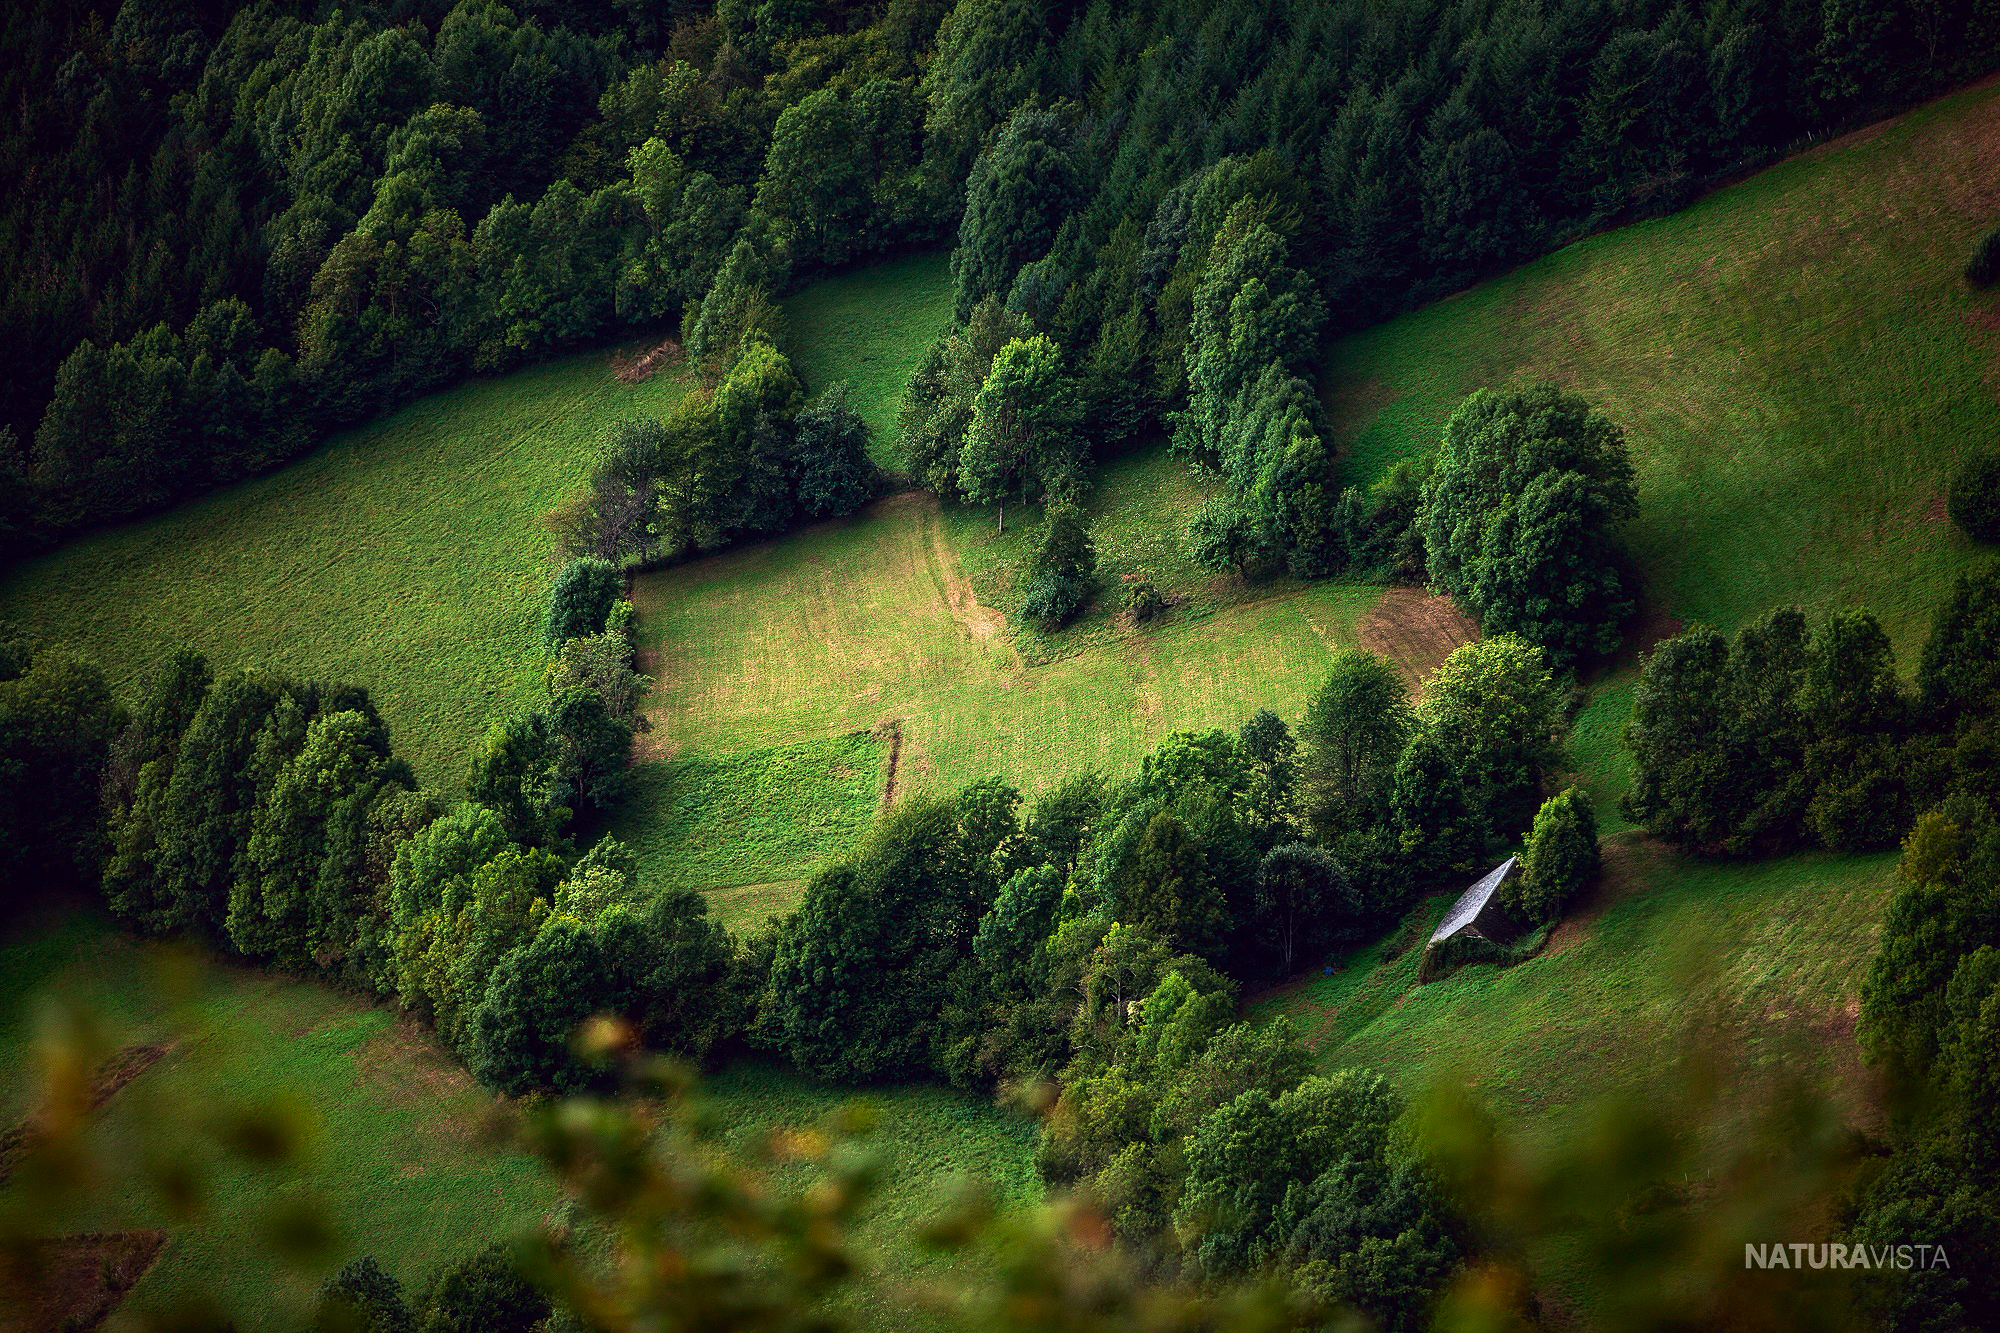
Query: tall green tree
1022	438
1520	516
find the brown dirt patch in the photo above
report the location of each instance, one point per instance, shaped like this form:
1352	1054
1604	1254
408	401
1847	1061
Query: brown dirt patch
1627	861
111	1076
1415	631
641	363
407	1066
74	1282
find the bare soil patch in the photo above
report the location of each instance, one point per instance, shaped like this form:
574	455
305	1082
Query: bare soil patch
74	1282
1415	631
640	364
111	1076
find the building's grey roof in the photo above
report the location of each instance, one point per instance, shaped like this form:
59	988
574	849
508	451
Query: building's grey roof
1472	902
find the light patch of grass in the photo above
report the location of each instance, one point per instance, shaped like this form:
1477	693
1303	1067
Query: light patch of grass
406	556
871	619
742	820
871	328
1795	360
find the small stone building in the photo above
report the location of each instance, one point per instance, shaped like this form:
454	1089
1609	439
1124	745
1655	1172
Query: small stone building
1476	916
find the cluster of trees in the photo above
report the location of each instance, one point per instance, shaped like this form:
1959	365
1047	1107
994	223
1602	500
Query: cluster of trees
1796	733
483	1292
1096	938
743	459
250	224
1185	199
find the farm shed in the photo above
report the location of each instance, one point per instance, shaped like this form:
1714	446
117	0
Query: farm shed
1476	916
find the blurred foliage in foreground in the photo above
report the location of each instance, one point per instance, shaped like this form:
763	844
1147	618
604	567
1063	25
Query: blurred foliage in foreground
670	1231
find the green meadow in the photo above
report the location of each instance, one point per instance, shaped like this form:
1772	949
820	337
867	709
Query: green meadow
399	1154
870	327
1752	971
1795	360
407	556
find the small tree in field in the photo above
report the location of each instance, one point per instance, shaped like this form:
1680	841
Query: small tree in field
1975	498
581	600
1560	861
1022	440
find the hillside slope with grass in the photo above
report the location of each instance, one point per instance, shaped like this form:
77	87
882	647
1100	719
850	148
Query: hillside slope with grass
407	556
1796	361
400	1153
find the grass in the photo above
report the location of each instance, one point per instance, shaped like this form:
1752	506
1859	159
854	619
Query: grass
1795	360
398	1159
406	556
927	1143
1760	963
870	328
398	1156
733	823
871	620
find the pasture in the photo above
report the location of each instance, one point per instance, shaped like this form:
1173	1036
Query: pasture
1750	973
870	327
400	1158
407	556
871	624
1796	362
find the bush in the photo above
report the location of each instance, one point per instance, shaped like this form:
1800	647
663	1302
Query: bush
362	1298
1052	599
1983	269
1560	862
1145	602
835	474
1064	566
580	603
1975	498
483	1293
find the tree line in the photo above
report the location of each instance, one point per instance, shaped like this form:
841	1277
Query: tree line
244	225
254	223
1799	732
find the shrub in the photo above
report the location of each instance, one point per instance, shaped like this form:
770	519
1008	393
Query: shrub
580	603
1983	269
1052	599
1145	601
483	1293
361	1298
1559	863
1974	502
835	474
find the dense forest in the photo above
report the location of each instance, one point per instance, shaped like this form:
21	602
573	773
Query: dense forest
235	227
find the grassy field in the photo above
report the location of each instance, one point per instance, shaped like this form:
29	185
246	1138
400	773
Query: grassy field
870	327
1795	360
748	827
407	556
1758	965
399	1156
872	621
